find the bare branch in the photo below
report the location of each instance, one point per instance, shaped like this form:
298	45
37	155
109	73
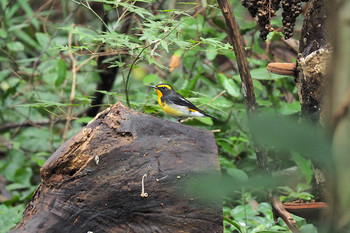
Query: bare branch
280	211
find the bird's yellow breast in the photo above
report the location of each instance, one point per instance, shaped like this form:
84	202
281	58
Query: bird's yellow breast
167	108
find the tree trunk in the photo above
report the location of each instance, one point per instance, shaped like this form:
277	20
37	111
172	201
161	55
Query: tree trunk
312	71
93	182
314	58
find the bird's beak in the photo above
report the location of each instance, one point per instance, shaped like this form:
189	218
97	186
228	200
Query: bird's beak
154	87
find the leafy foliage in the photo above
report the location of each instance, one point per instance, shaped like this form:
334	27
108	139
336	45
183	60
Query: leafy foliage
51	65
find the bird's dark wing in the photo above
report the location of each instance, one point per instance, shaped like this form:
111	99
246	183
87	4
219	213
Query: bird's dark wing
178	99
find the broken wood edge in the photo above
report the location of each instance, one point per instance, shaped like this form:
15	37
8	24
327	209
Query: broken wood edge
279	211
311	211
304	205
282	68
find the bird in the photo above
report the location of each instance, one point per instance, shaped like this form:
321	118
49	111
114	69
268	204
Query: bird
175	105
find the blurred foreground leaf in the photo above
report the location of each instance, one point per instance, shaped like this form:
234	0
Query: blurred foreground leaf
288	134
9	217
209	187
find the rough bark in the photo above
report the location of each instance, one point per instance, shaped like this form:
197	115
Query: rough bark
314	58
313	68
236	41
312	71
93	181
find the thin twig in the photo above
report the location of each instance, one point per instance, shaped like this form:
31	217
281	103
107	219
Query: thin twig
72	94
126	88
122	16
51	131
87	6
29	123
89	59
236	41
211	101
35	65
269	13
290	45
31	17
280	211
75	69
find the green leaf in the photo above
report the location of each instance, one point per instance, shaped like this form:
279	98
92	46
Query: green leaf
10	216
17	27
151	78
23	175
3	33
189	58
178	52
189	86
164	45
224	162
205	120
182	44
274	36
17	160
241	211
303	165
138	10
42	39
39	161
225	145
27	39
211	54
263	74
229	85
234	223
117	64
15	46
84	99
61	72
237	174
308	228
290	108
268	231
15	186
84	120
25	5
4	73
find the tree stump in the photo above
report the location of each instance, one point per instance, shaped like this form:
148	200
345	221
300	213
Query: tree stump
93	182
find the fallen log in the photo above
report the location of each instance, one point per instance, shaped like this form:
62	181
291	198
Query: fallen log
93	182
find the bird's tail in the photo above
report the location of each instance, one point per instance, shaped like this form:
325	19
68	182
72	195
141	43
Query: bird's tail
206	114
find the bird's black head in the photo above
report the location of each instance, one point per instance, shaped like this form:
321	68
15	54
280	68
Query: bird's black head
164	88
